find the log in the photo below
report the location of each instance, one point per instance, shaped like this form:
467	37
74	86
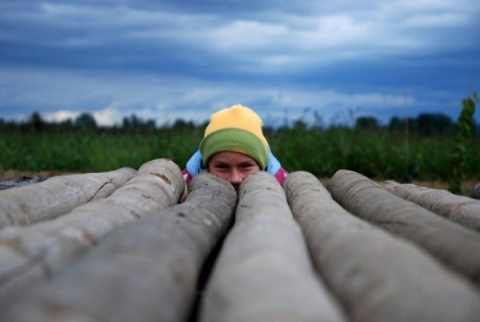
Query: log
456	246
32	254
144	271
375	275
263	272
462	210
21	181
476	192
58	195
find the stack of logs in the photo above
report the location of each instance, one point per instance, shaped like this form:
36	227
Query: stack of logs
117	246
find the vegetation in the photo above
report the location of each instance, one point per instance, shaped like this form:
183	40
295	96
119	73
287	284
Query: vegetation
462	152
423	148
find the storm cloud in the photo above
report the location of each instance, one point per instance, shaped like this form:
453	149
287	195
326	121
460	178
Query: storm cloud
186	59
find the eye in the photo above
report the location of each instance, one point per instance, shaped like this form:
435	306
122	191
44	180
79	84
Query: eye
220	166
247	166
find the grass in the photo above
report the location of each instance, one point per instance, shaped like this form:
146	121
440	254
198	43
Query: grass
376	154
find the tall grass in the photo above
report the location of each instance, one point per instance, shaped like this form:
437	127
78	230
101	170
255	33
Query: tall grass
377	154
374	154
92	150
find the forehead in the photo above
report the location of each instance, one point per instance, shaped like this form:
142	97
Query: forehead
231	157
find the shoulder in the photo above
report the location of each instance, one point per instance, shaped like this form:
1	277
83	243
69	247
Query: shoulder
281	175
187	176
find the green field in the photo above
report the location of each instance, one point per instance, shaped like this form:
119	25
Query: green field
376	154
430	148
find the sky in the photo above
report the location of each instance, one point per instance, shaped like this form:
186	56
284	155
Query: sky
319	61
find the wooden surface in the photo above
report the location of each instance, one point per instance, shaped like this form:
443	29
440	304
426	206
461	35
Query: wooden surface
32	254
349	250
58	195
128	268
456	246
460	209
263	272
375	275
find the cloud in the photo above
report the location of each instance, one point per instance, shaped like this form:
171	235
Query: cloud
108	117
88	25
62	115
162	60
110	98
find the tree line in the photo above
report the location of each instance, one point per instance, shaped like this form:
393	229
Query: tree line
423	124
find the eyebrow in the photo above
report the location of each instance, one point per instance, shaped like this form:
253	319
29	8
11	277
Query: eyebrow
218	162
247	163
242	163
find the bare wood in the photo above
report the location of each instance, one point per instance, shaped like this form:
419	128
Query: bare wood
263	272
462	210
32	254
456	246
375	275
476	192
58	195
146	271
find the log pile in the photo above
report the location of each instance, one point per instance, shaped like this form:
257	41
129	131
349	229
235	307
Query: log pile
118	246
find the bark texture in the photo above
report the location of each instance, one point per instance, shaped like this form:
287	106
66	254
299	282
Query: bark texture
462	210
375	275
32	254
476	192
144	271
263	272
58	195
456	246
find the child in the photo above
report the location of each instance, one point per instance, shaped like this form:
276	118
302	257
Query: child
234	147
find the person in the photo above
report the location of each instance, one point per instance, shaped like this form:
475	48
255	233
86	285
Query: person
234	147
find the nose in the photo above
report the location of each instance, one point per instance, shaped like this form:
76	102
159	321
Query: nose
235	177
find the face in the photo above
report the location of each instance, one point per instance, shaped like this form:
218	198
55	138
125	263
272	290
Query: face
232	166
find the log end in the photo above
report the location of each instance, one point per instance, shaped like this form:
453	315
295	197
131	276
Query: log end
476	192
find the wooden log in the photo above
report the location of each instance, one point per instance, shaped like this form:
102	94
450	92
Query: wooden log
462	210
476	192
144	271
375	275
32	254
263	272
58	195
21	181
456	246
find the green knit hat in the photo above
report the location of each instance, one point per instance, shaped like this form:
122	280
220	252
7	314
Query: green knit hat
235	129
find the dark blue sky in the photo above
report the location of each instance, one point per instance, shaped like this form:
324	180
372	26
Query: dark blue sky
166	60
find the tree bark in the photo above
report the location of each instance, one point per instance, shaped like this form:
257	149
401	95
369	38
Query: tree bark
263	272
145	271
456	246
32	254
375	275
476	192
58	195
462	210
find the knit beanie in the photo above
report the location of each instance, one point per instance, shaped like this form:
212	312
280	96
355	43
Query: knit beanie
235	129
